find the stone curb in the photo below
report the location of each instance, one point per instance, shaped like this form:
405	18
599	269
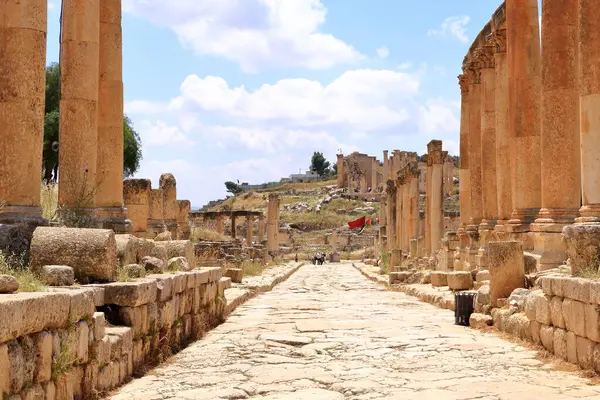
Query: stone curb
424	293
236	296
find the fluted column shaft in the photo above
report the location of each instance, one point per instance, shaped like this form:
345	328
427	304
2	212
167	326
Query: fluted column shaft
476	197
463	171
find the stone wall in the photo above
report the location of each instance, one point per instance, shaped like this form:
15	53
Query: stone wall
76	342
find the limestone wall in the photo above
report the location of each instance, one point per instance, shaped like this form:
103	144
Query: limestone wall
73	343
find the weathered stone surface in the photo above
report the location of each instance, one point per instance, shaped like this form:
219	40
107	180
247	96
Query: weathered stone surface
58	275
127	249
439	278
592	322
179	264
236	274
576	289
399	277
535	327
179	248
574	316
581	243
8	284
98	325
556	313
542	310
135	270
4	372
22	363
130	294
164	286
163	237
483	276
460	280
529	305
506	265
571	347
560	343
483	295
480	321
585	352
547	337
91	252
153	264
25	313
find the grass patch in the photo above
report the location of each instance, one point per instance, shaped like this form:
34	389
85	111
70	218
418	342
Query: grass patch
385	267
49	200
122	275
202	234
252	268
589	272
313	221
14	266
62	364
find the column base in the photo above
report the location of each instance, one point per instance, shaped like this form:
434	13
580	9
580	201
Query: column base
521	219
589	213
21	214
549	251
582	242
77	217
114	218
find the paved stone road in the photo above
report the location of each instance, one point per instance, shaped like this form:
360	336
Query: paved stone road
329	333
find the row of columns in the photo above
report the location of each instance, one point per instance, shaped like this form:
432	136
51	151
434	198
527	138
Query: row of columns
91	110
530	130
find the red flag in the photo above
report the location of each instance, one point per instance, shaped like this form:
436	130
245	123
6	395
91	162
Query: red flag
368	222
359	223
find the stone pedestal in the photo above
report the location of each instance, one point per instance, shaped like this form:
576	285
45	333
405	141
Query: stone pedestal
22	91
472	250
507	269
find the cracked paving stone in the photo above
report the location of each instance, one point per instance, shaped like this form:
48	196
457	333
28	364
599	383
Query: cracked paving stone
329	333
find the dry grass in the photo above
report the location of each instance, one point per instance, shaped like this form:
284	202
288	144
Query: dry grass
202	234
49	200
313	221
14	266
253	268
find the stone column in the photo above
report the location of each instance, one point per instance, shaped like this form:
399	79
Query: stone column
22	94
136	193
261	229
233	226
249	228
109	166
428	208
391	192
399	217
476	197
78	136
463	172
183	225
406	213
334	242
523	38
386	166
435	164
340	170
156	223
272	223
559	138
168	185
374	164
412	178
219	223
503	147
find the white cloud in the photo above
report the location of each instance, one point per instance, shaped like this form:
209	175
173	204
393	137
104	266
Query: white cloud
453	26
438	116
383	52
257	34
159	133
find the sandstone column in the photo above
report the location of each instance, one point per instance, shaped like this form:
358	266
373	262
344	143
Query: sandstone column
79	58
398	211
374	165
156	216
219	223
109	166
522	34
249	227
273	223
391	191
503	147
559	138
261	228
22	94
406	212
475	175
136	193
428	208
435	162
233	226
183	225
168	185
463	171
340	170
386	166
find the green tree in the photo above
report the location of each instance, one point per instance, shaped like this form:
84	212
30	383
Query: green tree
319	164
233	188
132	152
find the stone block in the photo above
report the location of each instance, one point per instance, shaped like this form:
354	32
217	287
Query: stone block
24	313
560	343
131	294
152	317
592	322
165	314
164	286
90	379
574	316
82	304
214	273
101	350
203	276
92	253
585	352
136	318
557	284
224	284
547	337
82	335
545	282
398	277
483	276
542	309
480	321
75	381
535	327
235	274
21	355
34	393
507	268
556	312
571	347
483	295
121	341
178	264
577	289
596	358
581	242
8	284
43	350
5	371
58	275
134	271
179	282
529	305
98	325
127	249
595	292
460	280
49	390
138	354
153	264
64	389
439	278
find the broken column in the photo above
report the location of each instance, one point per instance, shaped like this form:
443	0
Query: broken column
219	224
136	193
168	186
273	223
582	239
156	222
22	93
183	226
78	136
506	265
249	227
463	171
559	138
435	161
386	166
109	167
523	38
340	170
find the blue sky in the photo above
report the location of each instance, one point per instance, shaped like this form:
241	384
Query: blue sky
248	89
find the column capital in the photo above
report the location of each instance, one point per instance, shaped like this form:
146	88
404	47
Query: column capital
391	187
463	82
473	71
498	39
485	56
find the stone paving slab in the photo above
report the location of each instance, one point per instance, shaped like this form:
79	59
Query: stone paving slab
329	333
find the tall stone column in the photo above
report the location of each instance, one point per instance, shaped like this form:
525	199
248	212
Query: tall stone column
340	170
503	147
22	88
560	150
464	178
78	135
406	213
475	175
109	167
398	211
428	208
183	216
374	165
219	223
386	166
523	38
261	229
168	186
435	163
273	223
391	191
233	226
249	228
